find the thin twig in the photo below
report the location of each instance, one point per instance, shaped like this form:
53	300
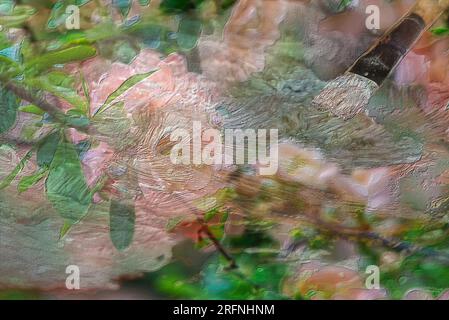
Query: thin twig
205	229
43	103
370	236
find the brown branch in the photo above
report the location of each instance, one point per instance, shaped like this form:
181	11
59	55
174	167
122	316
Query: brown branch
370	236
205	229
4	139
43	102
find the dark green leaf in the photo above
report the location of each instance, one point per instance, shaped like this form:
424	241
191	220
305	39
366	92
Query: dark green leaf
82	147
122	219
8	109
188	33
76	118
344	4
225	4
179	6
47	149
66	187
123	6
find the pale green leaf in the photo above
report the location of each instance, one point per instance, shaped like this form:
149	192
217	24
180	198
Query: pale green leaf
31	108
127	84
27	182
48	60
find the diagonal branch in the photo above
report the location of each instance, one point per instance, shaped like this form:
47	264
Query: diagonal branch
370	236
43	102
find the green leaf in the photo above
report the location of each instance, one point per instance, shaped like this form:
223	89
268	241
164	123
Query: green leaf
179	6
123	6
48	60
344	4
66	186
13	53
72	37
8	109
209	215
60	79
127	84
65	229
6	7
17	17
47	149
441	31
57	15
31	108
86	94
76	118
122	220
8	67
9	178
29	181
188	33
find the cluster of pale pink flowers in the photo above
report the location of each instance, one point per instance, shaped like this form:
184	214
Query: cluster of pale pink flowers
169	98
252	28
427	65
372	187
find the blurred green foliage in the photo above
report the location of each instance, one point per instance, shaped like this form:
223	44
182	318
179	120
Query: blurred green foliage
259	274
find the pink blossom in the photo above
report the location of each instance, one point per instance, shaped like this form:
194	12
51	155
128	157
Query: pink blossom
334	282
240	51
